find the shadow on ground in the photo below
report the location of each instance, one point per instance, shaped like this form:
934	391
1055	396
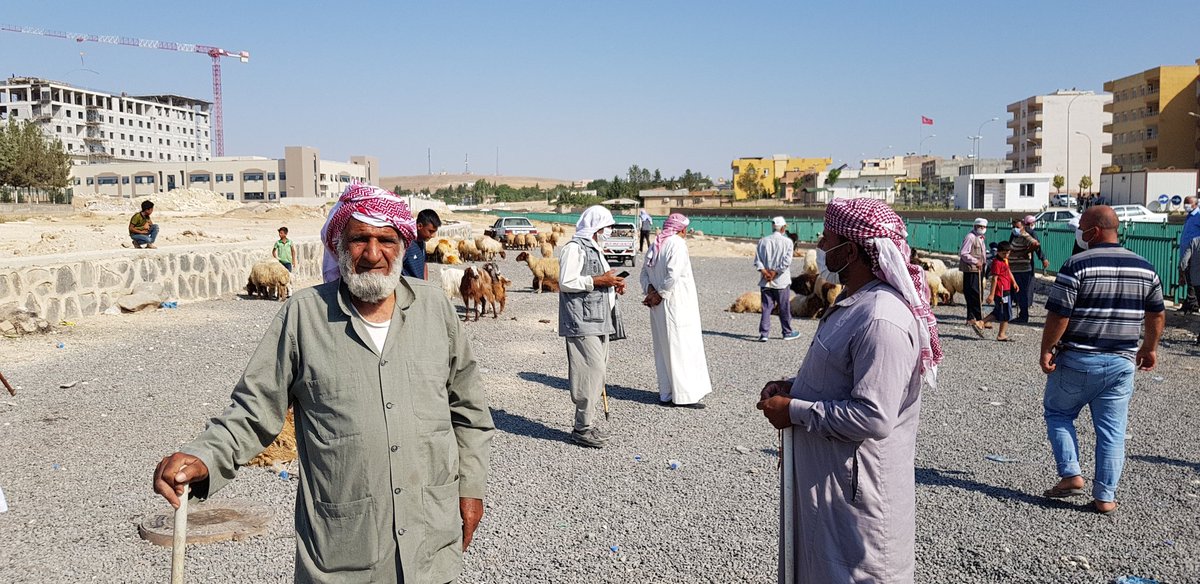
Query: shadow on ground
1154	459
958	479
614	391
522	426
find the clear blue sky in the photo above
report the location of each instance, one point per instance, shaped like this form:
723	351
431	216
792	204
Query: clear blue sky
585	89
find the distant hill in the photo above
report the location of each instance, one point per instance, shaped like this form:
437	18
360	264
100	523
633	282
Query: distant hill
433	182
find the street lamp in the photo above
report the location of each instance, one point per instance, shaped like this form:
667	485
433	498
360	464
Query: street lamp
979	136
1089	139
922	144
1069	104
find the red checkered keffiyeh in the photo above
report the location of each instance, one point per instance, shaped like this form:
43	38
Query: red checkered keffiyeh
876	228
675	223
373	206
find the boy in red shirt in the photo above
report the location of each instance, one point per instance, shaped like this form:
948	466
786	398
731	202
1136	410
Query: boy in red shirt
1003	285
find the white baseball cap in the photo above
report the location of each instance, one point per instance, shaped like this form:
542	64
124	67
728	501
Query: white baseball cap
981	222
778	222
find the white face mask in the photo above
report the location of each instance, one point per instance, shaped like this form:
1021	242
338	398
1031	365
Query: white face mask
606	233
1188	208
1079	239
980	231
823	270
1017	231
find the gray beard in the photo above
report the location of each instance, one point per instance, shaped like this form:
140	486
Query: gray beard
369	287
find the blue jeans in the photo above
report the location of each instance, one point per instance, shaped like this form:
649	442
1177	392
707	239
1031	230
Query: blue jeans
1104	383
140	239
772	297
1024	296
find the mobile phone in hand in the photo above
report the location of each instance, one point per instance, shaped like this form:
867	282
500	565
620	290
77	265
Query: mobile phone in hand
624	274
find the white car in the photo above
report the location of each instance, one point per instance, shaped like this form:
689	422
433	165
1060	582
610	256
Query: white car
1064	200
1139	214
1055	216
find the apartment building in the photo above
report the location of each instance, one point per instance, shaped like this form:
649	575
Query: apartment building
1061	133
98	127
768	170
1153	124
299	173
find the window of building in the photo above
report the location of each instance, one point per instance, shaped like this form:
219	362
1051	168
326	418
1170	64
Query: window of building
1026	190
122	152
229	196
220	178
106	180
271	195
160	126
198	178
228	177
90	180
270	176
58	129
282	175
124	180
256	196
248	176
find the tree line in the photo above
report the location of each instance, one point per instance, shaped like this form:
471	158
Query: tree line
638	178
31	164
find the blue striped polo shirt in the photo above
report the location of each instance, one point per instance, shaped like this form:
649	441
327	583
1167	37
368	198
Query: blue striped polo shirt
1105	292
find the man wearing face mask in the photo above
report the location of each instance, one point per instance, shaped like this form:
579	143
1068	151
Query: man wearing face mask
588	318
773	259
1191	230
854	407
1097	307
971	258
1020	260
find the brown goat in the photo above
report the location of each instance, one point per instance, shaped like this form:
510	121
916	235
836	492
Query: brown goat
499	287
476	288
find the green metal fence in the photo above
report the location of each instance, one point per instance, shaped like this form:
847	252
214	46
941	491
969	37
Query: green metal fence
1157	242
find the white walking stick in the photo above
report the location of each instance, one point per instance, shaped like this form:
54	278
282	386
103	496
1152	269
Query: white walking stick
179	539
788	565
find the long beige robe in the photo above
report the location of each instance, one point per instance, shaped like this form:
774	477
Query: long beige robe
856	405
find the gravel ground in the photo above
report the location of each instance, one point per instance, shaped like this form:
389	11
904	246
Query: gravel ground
77	461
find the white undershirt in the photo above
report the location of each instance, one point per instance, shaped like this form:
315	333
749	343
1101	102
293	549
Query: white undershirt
376	330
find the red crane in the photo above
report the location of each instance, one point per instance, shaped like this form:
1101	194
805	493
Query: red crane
214	52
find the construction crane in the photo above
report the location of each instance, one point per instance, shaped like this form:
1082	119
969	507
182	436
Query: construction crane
216	53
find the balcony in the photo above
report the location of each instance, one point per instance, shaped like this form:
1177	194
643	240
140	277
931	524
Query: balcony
1107	128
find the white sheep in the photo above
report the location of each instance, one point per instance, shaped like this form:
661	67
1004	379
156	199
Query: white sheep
489	248
810	261
935	266
936	291
451	281
544	270
952	282
269	278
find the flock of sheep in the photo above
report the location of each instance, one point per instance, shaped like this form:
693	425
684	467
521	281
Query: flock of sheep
814	294
484	286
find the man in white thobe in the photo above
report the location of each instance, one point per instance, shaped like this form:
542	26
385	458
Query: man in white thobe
675	318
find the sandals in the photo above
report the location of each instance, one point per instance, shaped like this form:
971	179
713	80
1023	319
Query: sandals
1005	340
978	329
1057	493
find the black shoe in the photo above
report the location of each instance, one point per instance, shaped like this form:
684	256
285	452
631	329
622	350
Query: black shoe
666	404
588	438
695	406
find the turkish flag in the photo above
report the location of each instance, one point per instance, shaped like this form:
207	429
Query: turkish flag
926	121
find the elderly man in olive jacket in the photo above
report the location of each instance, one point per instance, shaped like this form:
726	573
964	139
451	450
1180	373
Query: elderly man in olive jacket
392	428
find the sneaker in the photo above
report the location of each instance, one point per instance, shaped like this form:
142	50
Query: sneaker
151	246
791	336
587	438
763	339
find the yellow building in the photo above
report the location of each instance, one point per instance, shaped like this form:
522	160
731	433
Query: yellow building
1152	127
766	170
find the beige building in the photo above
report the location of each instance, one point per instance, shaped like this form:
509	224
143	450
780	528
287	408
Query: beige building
300	173
98	127
1061	133
662	201
1152	119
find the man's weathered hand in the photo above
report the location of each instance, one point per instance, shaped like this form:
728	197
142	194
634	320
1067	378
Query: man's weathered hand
607	279
774	388
174	472
652	299
472	512
777	411
1147	358
1045	264
1047	363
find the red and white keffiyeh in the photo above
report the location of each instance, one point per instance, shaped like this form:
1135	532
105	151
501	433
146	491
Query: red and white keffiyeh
881	232
675	223
371	205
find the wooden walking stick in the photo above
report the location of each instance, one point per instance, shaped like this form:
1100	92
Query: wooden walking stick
604	396
179	539
10	389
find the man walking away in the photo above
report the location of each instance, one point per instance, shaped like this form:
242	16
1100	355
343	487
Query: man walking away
645	226
1191	265
587	316
1098	304
142	229
773	259
971	259
854	407
1024	247
414	266
1191	230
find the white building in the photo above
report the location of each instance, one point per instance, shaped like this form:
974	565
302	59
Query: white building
1061	134
1147	187
871	182
1003	191
95	126
300	173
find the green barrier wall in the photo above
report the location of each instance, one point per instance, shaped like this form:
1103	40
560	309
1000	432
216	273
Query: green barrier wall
1157	242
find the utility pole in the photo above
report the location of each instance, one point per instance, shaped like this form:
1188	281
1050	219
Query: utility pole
466	163
497	161
428	161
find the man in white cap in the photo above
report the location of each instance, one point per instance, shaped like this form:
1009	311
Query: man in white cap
971	259
774	261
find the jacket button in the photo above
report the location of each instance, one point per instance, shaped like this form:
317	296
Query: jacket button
399	532
397	490
383	363
395	448
388	405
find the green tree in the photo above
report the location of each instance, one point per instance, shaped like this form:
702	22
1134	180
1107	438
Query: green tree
29	160
1085	183
1059	183
832	178
747	181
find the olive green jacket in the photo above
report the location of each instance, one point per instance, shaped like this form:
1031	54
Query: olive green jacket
388	442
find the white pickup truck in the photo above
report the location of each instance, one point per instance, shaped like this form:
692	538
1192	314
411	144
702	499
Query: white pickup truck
620	246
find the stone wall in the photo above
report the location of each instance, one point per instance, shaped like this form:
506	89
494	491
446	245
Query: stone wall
67	286
83	284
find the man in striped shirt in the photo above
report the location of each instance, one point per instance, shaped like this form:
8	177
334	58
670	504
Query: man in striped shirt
1097	306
